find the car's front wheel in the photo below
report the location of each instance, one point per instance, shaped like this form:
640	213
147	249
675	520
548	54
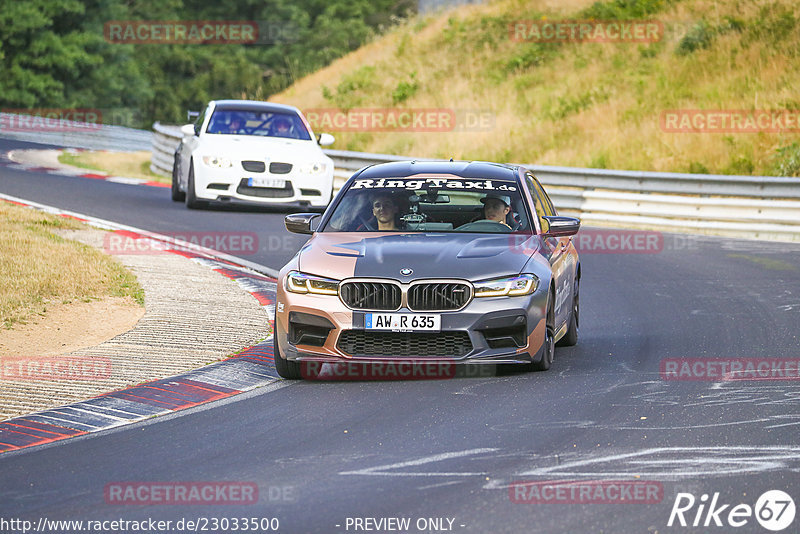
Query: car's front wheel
177	194
285	368
549	346
191	197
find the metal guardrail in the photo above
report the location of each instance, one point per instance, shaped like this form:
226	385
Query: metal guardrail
763	207
166	139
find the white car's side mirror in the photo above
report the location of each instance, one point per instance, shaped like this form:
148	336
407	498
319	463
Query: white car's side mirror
325	139
187	130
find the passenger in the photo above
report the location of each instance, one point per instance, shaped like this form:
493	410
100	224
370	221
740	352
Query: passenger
385	210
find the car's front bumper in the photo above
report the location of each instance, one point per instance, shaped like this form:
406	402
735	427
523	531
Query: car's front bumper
310	328
230	185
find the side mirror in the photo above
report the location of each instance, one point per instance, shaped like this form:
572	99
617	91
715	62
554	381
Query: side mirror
300	223
561	226
187	130
325	139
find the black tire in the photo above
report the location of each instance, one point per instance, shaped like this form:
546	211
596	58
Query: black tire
571	337
191	199
549	348
285	368
177	194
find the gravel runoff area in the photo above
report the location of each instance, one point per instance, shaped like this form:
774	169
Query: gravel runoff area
193	316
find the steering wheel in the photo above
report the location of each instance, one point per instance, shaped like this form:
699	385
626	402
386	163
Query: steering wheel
366	224
484	225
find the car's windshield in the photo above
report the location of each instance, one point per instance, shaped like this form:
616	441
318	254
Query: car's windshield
259	123
430	204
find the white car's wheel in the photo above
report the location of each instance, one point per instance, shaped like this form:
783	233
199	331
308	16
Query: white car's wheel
191	196
177	194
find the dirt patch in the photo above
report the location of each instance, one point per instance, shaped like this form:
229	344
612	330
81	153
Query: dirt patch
69	327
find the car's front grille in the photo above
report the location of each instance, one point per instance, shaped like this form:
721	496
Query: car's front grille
269	192
371	295
404	344
438	296
280	168
254	166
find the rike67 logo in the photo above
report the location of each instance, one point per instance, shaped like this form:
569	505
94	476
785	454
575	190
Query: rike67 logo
774	510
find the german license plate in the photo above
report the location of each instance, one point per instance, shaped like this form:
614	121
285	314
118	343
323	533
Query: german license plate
403	322
275	183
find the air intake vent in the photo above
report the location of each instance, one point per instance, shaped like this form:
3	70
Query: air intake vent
268	192
404	344
438	296
254	166
280	168
371	295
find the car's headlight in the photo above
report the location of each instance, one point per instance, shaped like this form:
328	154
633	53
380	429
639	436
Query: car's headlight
297	282
313	168
513	286
219	162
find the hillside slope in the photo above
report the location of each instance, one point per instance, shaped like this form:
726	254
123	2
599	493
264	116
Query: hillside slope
586	104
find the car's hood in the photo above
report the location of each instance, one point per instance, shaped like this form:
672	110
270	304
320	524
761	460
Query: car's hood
260	148
431	255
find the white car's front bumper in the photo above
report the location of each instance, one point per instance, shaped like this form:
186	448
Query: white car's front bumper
232	184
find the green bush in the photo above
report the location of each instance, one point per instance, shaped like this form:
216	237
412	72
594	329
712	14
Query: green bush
698	37
405	90
696	167
624	9
740	165
787	161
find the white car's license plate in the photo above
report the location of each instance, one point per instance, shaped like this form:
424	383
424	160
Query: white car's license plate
403	322
276	183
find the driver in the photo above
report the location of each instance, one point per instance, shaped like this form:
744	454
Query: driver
236	126
496	207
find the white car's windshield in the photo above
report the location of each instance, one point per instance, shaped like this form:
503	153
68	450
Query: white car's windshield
258	123
430	205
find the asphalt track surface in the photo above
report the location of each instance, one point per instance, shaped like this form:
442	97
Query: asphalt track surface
323	452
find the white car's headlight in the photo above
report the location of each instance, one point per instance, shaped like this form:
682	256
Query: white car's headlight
218	162
297	282
313	168
513	286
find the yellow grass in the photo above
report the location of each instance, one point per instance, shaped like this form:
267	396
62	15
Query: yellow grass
127	164
37	267
589	104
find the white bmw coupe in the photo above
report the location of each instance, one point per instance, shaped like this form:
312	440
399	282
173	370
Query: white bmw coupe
252	152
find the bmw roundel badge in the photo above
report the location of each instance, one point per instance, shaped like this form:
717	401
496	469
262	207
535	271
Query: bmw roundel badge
406	271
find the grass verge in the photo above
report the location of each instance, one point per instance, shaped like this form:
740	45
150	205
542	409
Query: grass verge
582	104
38	267
127	164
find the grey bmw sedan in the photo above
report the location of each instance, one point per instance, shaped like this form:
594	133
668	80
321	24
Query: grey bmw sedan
448	262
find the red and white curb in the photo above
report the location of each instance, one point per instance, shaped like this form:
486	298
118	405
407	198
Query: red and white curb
12	163
251	368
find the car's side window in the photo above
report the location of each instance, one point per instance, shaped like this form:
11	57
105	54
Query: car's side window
541	201
199	122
